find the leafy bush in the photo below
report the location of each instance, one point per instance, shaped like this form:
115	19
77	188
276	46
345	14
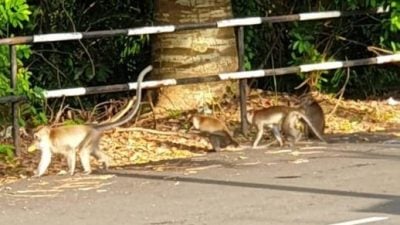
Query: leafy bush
90	62
6	153
14	16
296	43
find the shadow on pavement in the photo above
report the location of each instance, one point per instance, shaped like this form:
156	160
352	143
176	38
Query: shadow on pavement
256	185
389	207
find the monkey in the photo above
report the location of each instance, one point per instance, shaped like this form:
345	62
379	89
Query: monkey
291	130
216	131
67	140
85	139
313	111
273	118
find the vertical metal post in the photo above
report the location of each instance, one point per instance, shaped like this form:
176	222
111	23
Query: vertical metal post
242	82
14	106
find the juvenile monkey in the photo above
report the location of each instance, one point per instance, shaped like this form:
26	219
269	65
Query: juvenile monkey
290	129
270	117
314	112
69	139
215	130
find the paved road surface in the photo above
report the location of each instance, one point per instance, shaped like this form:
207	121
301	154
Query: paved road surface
330	184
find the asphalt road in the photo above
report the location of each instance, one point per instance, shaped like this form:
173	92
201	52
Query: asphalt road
323	184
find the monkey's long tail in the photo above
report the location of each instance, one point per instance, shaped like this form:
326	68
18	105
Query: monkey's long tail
304	117
135	107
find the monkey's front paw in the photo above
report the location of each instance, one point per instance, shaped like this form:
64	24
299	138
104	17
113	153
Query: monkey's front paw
62	173
234	149
36	175
87	172
104	165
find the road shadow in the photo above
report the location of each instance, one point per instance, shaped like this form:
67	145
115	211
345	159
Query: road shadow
392	206
178	164
389	207
369	151
362	145
365	137
240	184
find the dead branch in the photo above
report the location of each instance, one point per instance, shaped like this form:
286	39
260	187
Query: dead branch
60	111
140	129
302	83
341	92
377	50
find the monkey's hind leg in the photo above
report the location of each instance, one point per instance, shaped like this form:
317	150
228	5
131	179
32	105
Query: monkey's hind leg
90	146
293	140
84	156
102	157
215	142
277	134
294	137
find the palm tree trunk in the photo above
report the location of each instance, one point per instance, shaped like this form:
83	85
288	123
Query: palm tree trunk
193	53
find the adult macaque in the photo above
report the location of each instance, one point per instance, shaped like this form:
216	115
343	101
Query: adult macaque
70	139
217	132
291	130
314	112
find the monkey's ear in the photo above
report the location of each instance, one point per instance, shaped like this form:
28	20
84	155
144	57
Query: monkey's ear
37	129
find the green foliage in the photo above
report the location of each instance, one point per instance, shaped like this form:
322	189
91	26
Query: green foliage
6	153
390	34
174	114
90	62
73	122
373	80
243	8
57	65
395	16
305	51
303	48
14	13
307	42
266	44
14	16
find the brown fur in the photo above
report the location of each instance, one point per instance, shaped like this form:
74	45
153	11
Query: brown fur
313	111
70	139
217	132
271	117
292	132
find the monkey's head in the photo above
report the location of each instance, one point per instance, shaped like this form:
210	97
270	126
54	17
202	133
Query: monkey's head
40	139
